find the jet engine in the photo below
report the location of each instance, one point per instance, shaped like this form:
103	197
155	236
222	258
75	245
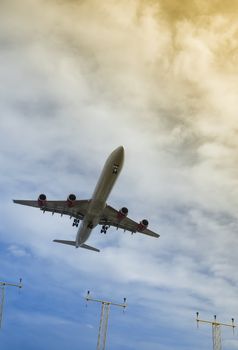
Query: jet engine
42	200
71	199
142	225
122	213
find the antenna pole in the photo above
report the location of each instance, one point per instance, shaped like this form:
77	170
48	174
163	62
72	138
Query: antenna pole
216	330
103	324
2	298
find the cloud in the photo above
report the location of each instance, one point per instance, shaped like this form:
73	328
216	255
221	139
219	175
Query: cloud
81	78
17	251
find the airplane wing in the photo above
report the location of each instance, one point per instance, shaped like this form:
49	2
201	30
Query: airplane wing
110	217
77	210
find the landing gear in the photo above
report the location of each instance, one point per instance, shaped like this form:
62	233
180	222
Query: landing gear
115	169
76	222
104	229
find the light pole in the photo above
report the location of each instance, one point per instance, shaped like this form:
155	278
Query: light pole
2	289
102	332
216	330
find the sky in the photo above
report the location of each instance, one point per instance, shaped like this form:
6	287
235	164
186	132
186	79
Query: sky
78	79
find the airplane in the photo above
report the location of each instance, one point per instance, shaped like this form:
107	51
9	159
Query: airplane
94	211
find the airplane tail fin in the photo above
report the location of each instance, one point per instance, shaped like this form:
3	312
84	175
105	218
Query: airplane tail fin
73	243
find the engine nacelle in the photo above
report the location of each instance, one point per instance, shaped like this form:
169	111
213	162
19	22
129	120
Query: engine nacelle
123	212
42	200
142	225
71	199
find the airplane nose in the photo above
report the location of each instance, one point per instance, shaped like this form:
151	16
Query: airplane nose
119	152
120	149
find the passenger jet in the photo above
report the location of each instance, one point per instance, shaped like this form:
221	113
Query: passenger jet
94	211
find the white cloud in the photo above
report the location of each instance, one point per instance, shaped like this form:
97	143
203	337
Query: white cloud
17	251
80	80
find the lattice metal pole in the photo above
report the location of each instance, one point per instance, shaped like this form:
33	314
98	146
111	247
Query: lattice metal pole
102	332
216	330
2	303
2	297
216	336
107	307
100	327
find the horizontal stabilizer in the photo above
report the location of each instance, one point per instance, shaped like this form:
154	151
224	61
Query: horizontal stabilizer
73	243
65	242
89	247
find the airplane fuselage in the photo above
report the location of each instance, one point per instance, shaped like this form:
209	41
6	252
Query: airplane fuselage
107	179
94	211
